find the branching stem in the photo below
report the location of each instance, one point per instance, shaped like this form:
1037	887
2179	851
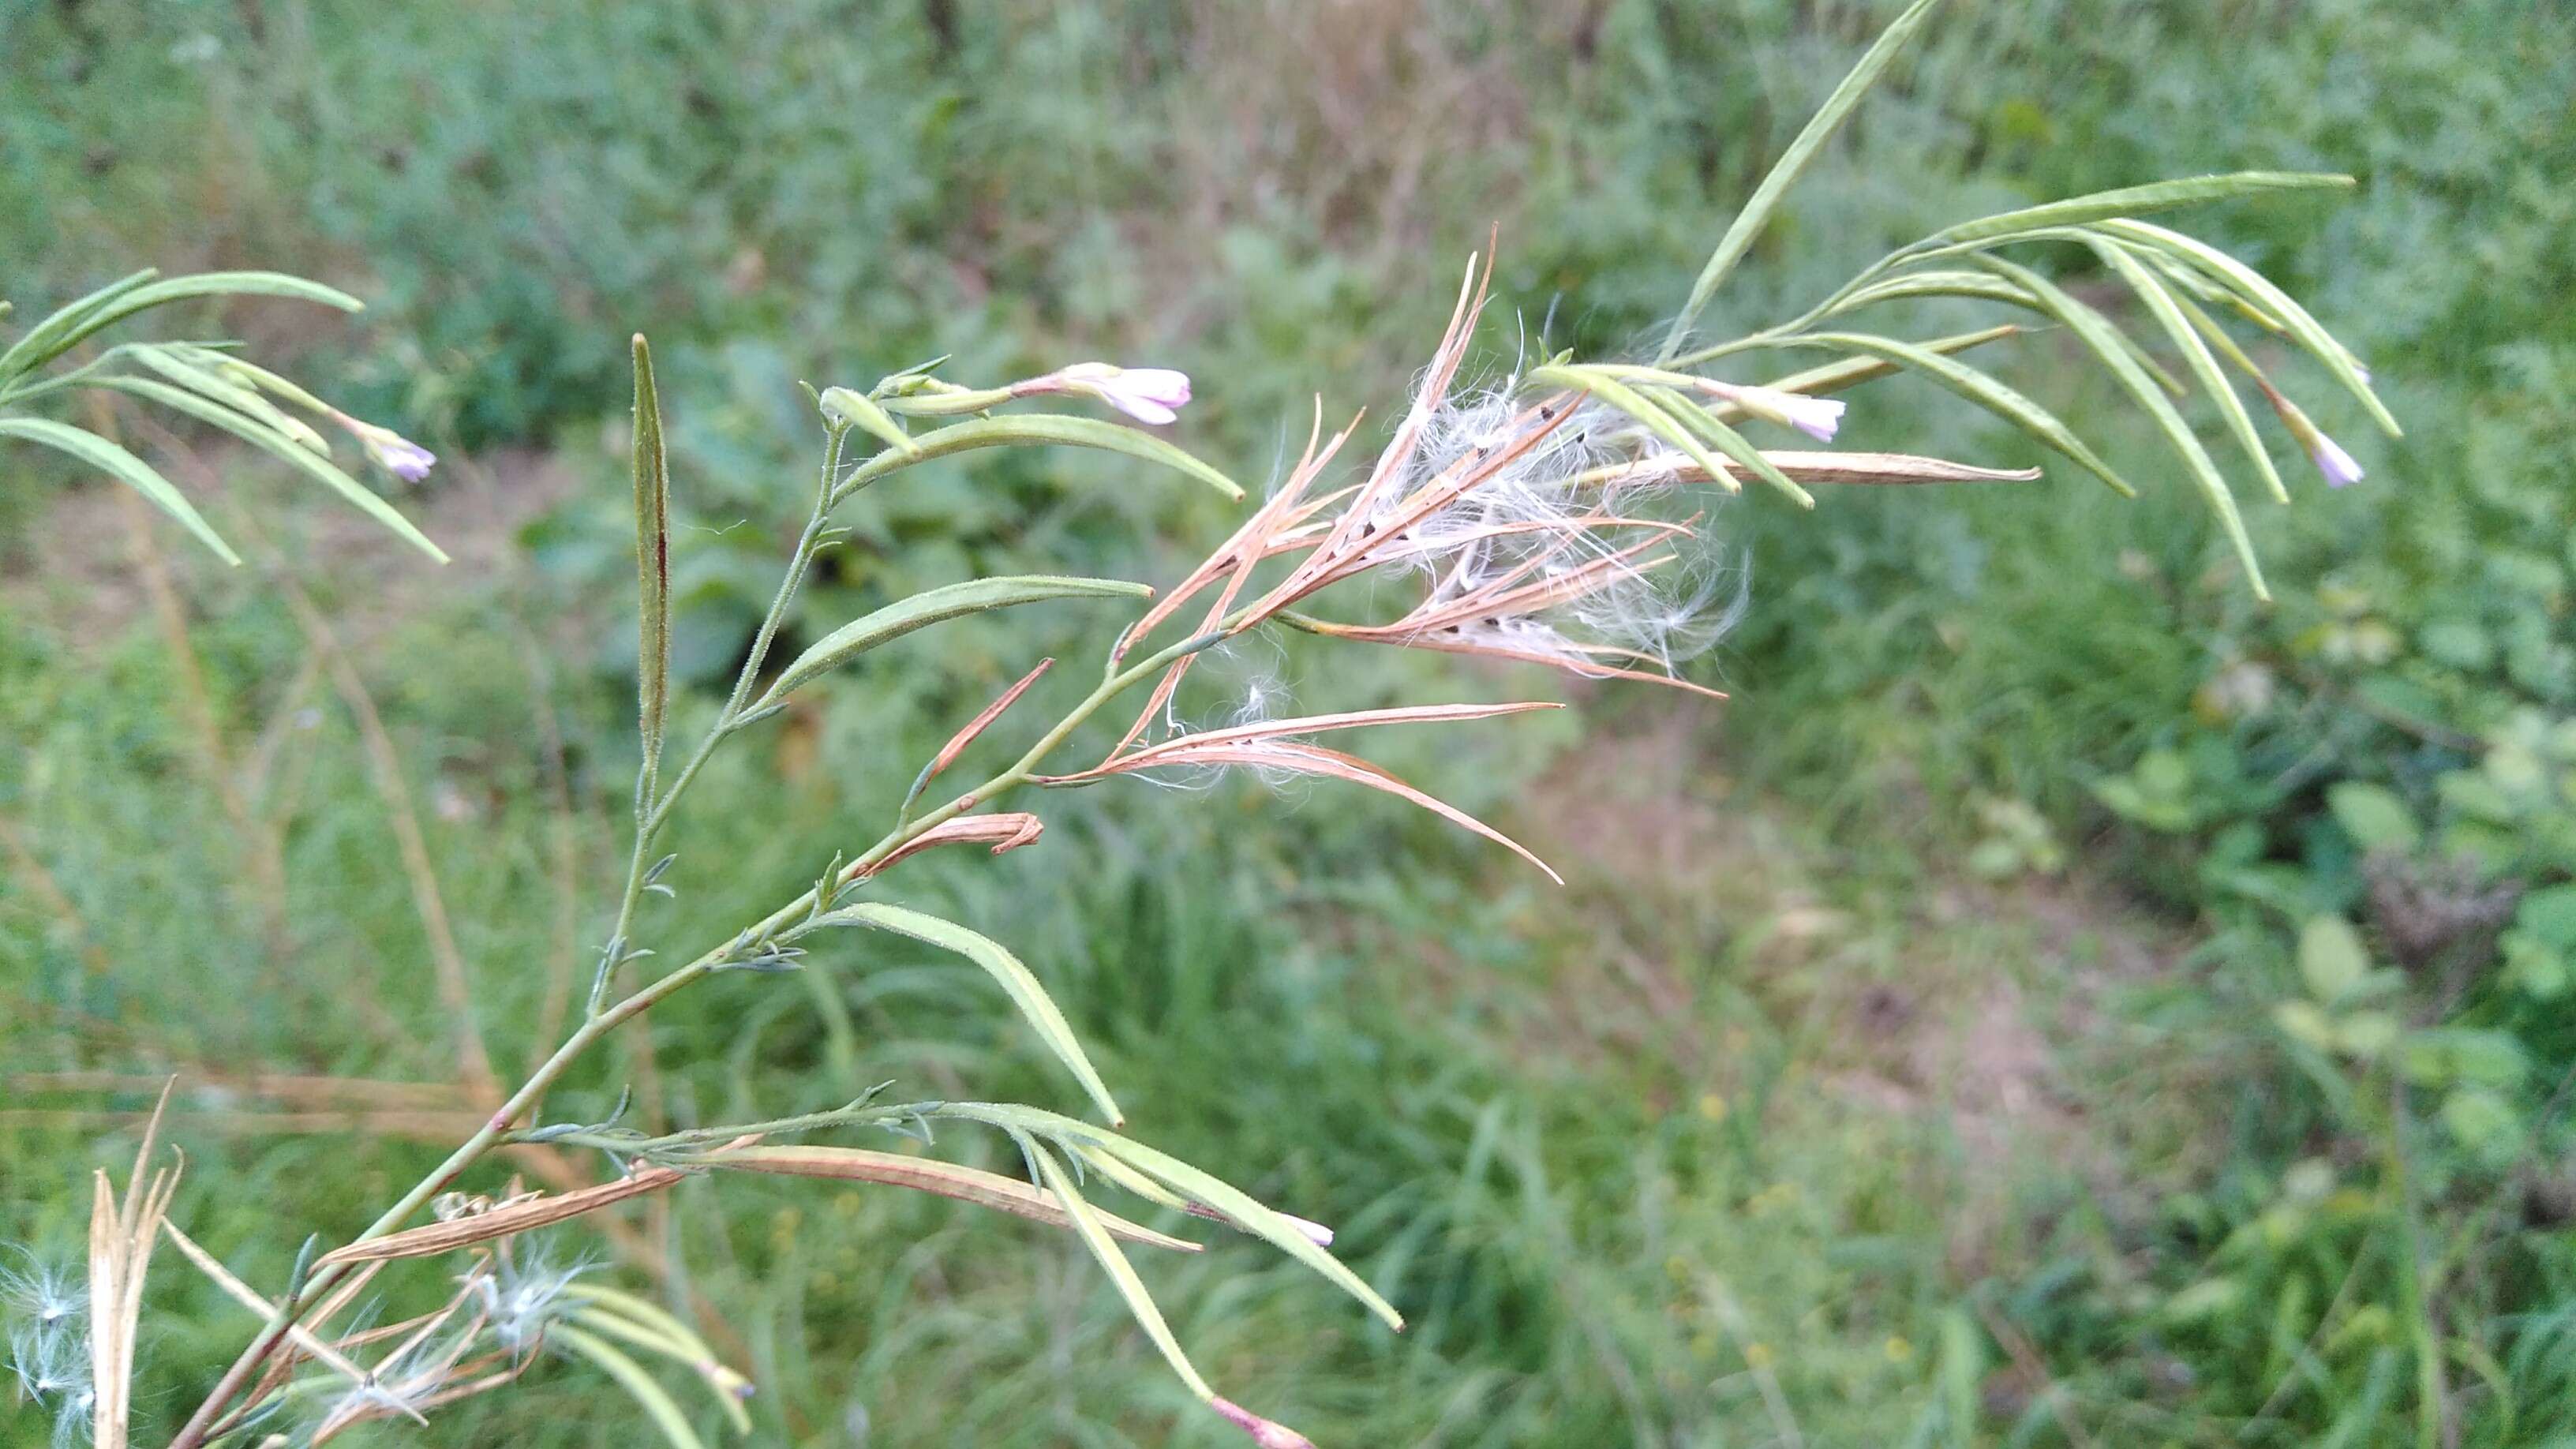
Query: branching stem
604	1018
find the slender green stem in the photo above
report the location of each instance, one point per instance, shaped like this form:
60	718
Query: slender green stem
652	814
71	379
1773	336
602	1021
855	1115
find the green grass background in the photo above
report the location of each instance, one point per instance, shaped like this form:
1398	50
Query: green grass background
1778	1124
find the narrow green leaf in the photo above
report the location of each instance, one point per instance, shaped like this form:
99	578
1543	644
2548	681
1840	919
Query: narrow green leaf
180	366
1978	388
1939	283
1705	423
2169	313
1016	981
1095	1236
2260	294
126	468
1029	429
224	284
176	289
648	1325
652	470
30	350
1793	163
1130	1179
1677	423
643	1388
858	409
234	365
1191	1183
1851	372
2096	332
1254	1218
251	430
2133	201
684	1342
933	606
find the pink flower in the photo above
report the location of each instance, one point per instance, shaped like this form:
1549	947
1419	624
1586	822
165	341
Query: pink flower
2325	452
1315	1232
1817	417
404	458
1147	394
395	453
2334	462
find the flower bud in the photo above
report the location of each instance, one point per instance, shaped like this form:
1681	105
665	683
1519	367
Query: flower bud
1147	394
1817	417
393	452
2329	456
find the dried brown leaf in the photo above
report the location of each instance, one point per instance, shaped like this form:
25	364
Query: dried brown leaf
1004	830
958	742
966	1184
502	1222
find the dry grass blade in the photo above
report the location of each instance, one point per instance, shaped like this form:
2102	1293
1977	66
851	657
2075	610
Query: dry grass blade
393	787
121	1236
966	1184
503	1222
413	1126
42	883
1434	388
281	1087
248	1297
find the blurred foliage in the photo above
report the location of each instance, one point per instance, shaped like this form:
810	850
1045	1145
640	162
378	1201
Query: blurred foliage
2340	1205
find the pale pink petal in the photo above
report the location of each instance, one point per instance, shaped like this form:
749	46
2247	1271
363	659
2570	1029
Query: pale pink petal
1142	409
406	459
2335	463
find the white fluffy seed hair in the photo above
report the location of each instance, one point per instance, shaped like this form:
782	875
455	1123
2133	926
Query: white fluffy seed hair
39	1294
52	1365
520	1301
1259	695
1527	514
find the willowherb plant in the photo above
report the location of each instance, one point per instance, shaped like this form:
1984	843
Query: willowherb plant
1542	517
208	381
